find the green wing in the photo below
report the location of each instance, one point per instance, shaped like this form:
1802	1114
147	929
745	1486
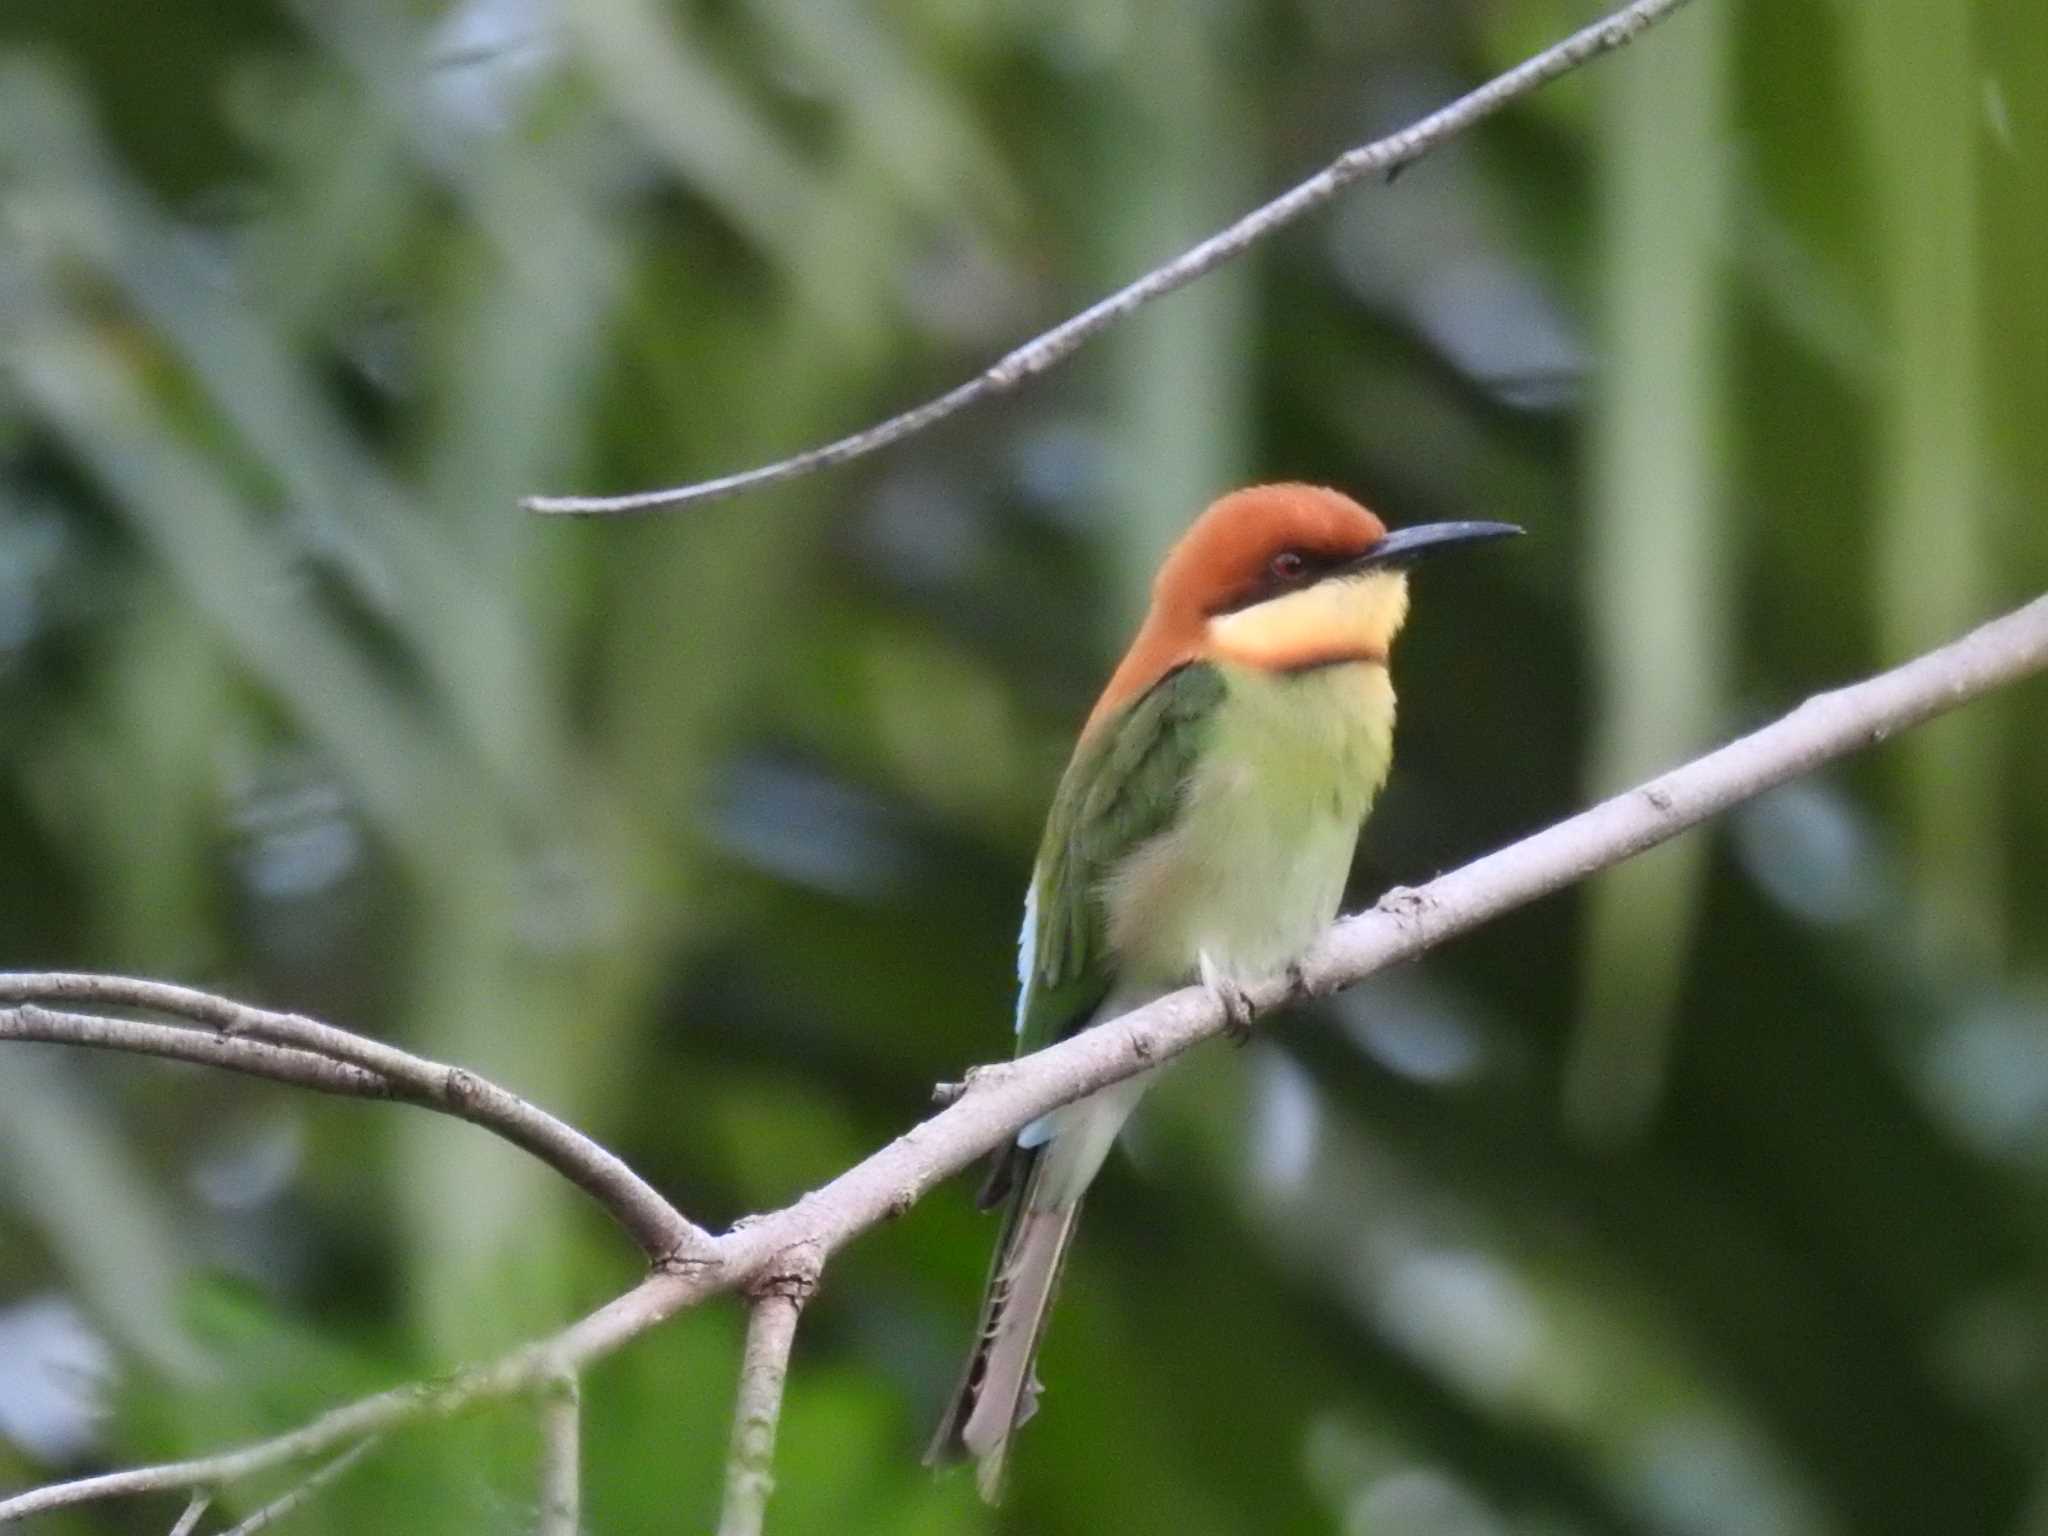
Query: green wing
1123	787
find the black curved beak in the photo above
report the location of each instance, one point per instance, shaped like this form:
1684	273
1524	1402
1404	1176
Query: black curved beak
1404	546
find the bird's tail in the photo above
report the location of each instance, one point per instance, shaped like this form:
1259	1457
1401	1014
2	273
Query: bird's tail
999	1388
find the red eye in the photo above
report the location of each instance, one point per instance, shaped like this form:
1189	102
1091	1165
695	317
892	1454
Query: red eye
1289	564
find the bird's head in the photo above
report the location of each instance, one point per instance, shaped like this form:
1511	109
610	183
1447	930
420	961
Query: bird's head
1291	576
1282	577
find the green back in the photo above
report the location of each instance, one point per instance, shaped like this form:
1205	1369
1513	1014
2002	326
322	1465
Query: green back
1122	788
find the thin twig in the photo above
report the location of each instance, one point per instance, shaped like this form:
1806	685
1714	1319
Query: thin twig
520	1371
188	1522
139	1037
1002	1099
1380	157
308	1054
561	1455
292	1498
771	1333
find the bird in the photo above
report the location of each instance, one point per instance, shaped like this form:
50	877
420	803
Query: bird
1203	831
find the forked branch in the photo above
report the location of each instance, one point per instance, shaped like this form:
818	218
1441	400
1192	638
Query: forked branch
305	1053
1000	1100
327	1472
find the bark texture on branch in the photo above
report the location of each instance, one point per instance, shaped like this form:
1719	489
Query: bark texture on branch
289	1048
999	1100
778	1303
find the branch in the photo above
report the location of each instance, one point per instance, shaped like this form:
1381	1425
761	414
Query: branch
188	1522
307	1054
561	1456
1380	157
771	1333
292	1498
999	1100
522	1371
253	1058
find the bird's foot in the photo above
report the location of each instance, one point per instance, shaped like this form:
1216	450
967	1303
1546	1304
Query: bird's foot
1297	983
1235	1001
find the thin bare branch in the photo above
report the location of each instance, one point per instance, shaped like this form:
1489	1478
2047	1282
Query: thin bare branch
1381	157
779	1299
188	1522
561	1455
292	1498
999	1100
308	1054
254	1058
522	1370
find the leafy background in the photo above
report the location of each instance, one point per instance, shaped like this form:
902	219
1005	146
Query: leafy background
1707	1200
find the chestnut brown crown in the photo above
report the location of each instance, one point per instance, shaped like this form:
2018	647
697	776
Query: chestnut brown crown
1259	543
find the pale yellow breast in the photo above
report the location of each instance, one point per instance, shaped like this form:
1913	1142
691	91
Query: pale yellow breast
1255	865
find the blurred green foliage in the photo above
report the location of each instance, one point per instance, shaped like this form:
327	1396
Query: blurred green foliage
1705	1202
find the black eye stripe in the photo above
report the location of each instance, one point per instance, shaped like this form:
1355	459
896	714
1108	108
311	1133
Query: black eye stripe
1271	583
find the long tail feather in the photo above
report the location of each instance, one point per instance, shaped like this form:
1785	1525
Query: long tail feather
999	1387
1045	1180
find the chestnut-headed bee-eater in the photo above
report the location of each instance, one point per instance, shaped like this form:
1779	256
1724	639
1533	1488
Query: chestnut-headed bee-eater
1203	831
